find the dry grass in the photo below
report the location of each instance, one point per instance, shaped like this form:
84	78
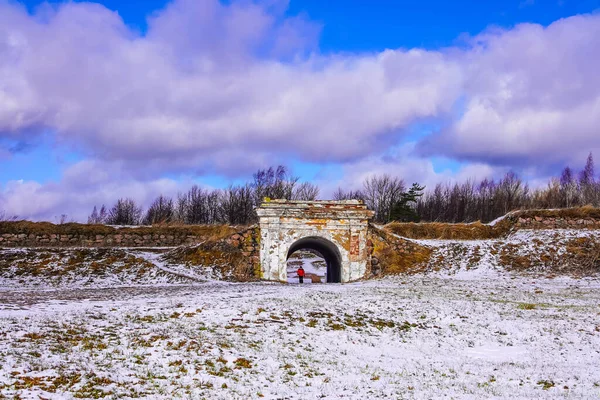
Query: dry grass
527	306
398	256
394	262
479	231
432	230
58	263
584	212
218	254
437	230
207	232
583	256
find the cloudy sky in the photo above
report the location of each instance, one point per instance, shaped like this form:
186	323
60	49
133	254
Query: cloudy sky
106	100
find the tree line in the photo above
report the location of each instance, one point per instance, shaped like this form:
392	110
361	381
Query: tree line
233	205
487	200
389	197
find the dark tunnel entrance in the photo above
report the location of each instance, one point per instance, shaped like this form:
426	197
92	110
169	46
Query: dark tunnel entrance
324	248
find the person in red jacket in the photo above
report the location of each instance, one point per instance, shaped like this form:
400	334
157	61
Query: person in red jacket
300	273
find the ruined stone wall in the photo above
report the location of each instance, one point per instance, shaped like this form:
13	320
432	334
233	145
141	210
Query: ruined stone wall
571	218
392	255
43	234
109	240
541	222
248	243
234	256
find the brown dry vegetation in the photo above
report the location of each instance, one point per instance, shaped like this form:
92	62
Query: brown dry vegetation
208	232
438	230
479	231
575	213
581	258
575	257
218	254
551	256
431	230
394	262
59	263
397	256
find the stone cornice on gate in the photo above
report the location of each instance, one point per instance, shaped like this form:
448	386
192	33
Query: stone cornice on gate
330	210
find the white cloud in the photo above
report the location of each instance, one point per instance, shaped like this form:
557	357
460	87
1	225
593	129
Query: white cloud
532	96
228	88
84	185
204	78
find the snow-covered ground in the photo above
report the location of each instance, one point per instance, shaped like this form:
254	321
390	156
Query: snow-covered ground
405	337
482	321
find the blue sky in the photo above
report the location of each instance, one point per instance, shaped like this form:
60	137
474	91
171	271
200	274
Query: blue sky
376	25
436	91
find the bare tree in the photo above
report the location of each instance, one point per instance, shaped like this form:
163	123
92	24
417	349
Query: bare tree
586	176
381	193
589	187
467	201
485	200
274	183
340	194
196	211
124	212
181	208
213	207
98	217
237	205
511	193
162	210
305	191
93	217
198	206
447	202
568	189
549	197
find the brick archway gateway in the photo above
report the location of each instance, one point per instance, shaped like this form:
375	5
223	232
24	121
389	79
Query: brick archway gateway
336	229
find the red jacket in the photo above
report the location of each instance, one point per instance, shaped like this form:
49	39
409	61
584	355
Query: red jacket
300	271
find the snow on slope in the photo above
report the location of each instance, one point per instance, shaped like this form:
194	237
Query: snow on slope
529	252
94	267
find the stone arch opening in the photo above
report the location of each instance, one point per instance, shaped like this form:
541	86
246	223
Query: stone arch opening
313	262
326	249
336	229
